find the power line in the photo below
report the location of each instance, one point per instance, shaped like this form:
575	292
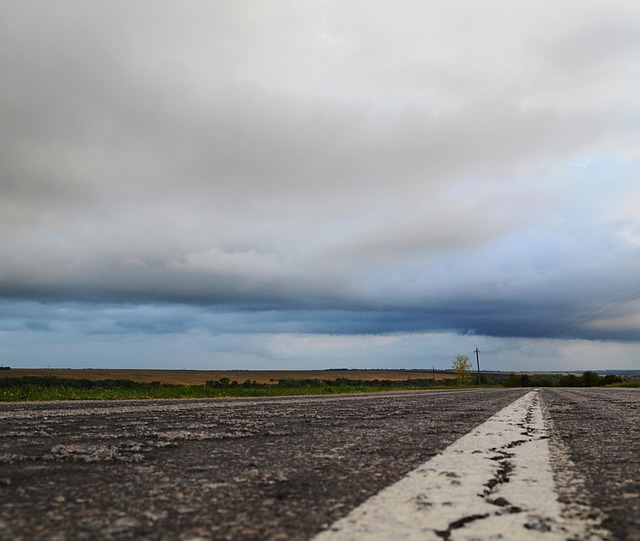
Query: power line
602	310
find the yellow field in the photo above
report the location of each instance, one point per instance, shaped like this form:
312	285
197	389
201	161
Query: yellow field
199	377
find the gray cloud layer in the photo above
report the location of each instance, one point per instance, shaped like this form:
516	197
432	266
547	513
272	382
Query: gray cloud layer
324	168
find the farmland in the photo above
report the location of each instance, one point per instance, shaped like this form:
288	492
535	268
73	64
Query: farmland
200	377
22	384
84	384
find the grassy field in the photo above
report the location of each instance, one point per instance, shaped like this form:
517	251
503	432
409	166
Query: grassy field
70	384
22	384
199	377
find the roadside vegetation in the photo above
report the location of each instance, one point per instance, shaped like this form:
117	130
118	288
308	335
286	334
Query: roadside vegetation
54	388
587	379
462	370
45	388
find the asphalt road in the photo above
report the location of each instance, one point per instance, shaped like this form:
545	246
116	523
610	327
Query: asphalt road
601	430
271	469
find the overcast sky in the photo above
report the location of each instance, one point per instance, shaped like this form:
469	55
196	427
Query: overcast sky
287	184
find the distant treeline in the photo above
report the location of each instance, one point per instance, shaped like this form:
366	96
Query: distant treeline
74	383
222	383
226	383
587	379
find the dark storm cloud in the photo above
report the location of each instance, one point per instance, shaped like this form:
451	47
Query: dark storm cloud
379	173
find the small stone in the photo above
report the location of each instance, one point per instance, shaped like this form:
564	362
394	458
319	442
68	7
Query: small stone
123	524
539	524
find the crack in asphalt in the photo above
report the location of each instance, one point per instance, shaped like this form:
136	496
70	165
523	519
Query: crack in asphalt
456	524
495	482
503	475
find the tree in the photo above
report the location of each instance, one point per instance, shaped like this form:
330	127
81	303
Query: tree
611	378
590	379
569	380
462	369
512	381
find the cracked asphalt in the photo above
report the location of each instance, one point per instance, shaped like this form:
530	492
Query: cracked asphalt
600	429
495	482
274	469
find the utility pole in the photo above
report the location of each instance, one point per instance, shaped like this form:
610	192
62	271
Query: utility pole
478	363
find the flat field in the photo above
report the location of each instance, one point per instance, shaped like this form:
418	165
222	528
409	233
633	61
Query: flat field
199	377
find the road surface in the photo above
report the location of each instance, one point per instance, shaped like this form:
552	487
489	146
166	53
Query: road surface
290	468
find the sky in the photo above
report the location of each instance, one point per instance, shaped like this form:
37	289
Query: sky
320	184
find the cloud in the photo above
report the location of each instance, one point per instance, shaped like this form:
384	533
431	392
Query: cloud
319	168
121	337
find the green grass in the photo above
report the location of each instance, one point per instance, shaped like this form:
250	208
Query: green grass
44	388
33	388
34	393
634	383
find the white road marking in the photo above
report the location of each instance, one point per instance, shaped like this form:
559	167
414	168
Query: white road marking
495	482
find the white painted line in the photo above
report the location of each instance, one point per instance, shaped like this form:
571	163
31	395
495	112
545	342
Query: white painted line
495	482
